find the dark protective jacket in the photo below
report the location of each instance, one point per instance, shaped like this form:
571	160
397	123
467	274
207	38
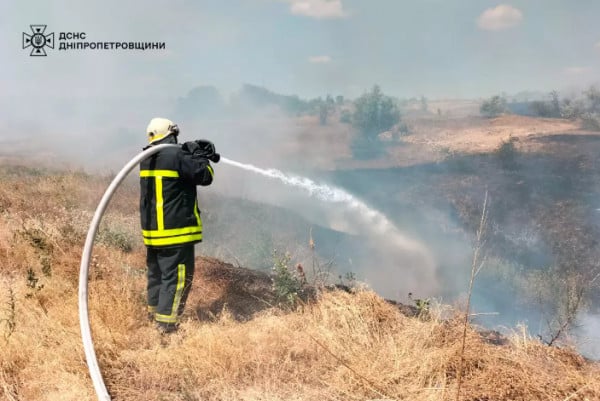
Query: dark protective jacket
168	206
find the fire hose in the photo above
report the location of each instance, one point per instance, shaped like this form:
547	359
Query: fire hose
84	320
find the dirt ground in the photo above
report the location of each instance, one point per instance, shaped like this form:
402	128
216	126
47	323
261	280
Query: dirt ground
300	143
481	135
432	138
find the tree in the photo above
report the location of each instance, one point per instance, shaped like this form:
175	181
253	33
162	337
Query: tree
374	113
493	107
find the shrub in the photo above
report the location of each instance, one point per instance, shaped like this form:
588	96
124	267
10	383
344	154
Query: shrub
541	109
507	153
286	284
116	237
374	113
40	241
493	107
591	121
547	108
571	109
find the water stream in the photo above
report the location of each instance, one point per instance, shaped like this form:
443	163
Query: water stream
408	255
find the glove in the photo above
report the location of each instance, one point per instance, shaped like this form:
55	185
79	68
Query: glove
202	148
207	146
208	149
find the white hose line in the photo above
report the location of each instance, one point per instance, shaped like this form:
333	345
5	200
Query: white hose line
84	320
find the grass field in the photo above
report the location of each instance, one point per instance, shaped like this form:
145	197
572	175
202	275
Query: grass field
342	347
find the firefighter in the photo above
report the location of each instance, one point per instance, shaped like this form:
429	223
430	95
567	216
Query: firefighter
170	218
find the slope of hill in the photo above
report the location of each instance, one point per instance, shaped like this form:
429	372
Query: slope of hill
234	343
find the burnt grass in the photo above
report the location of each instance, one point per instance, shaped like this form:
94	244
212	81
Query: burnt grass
544	194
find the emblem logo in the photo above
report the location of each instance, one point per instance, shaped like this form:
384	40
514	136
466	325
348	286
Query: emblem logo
38	40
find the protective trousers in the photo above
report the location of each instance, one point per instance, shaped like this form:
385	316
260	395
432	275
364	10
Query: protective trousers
170	274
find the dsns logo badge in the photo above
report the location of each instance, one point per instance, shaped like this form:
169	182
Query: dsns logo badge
38	40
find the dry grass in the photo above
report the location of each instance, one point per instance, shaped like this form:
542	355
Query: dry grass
344	347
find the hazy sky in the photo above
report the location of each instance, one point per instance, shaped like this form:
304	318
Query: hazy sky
439	48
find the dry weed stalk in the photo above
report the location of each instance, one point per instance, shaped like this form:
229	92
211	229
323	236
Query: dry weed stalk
321	271
476	266
574	302
9	320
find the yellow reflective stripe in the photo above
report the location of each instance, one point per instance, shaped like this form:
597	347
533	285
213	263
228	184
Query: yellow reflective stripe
165	318
170	232
179	289
172	318
197	214
210	170
159	173
151	309
160	219
181	239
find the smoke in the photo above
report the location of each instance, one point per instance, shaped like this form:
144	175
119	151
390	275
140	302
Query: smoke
252	126
587	335
413	260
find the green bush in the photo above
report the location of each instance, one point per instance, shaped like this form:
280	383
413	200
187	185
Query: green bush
117	238
374	113
40	240
571	109
542	109
493	107
591	121
287	286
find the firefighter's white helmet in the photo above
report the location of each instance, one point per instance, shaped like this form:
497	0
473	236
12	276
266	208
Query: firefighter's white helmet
160	128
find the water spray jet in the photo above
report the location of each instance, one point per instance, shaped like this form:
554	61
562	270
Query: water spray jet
378	229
